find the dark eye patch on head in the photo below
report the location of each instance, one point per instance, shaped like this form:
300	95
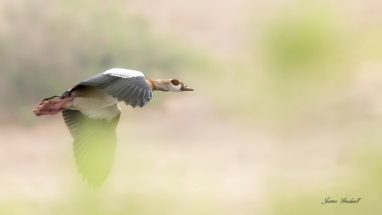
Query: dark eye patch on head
175	82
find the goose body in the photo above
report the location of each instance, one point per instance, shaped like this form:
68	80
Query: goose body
91	112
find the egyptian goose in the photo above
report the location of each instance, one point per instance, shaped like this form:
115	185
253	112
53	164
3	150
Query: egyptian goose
91	113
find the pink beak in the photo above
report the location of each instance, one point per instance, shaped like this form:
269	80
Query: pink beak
185	88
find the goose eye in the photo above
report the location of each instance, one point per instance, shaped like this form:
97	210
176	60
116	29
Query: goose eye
175	82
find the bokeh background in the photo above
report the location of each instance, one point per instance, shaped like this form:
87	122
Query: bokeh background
287	109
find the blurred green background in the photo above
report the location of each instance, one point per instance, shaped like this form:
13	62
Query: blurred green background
286	112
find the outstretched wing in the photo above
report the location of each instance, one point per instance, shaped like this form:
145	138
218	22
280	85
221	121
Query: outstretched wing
126	85
94	145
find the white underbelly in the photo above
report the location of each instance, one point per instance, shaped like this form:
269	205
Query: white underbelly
107	113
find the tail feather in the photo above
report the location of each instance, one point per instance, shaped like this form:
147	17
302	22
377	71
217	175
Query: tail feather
51	105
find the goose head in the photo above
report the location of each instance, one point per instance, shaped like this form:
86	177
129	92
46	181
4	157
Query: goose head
166	85
178	86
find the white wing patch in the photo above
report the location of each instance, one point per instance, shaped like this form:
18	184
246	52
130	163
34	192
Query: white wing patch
123	73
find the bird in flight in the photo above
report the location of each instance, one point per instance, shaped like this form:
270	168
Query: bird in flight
91	112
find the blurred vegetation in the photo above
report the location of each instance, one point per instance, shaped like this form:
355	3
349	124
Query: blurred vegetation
363	181
294	58
306	56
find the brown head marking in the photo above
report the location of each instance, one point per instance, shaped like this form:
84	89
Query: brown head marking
175	82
